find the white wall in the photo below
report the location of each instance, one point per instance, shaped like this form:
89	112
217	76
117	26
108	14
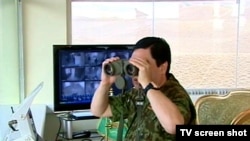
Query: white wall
9	82
45	24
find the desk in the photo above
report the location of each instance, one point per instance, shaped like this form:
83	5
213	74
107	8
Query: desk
93	137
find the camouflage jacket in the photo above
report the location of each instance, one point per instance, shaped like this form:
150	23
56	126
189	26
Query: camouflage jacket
151	127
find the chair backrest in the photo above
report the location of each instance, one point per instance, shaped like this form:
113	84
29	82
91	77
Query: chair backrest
221	109
242	118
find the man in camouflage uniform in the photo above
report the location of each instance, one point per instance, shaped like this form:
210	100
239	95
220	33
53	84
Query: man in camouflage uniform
165	102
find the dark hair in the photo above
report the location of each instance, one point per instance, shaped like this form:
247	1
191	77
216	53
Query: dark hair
159	50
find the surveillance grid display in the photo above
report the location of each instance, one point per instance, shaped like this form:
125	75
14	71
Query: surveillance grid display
80	72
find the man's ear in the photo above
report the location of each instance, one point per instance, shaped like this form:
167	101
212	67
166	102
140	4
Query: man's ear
164	67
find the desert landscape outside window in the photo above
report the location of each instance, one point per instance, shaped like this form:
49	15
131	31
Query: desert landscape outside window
209	39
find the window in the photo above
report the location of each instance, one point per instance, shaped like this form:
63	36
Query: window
209	39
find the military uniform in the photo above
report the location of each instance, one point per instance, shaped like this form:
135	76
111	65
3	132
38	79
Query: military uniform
151	129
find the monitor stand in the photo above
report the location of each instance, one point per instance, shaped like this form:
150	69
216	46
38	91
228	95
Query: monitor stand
67	120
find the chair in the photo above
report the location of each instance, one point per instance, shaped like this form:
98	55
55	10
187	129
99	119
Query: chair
221	109
242	118
109	129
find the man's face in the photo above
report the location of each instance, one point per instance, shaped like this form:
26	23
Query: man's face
154	70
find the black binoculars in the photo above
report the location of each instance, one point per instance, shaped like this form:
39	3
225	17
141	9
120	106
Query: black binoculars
121	67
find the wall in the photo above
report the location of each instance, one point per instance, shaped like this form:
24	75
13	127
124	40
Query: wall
9	82
45	24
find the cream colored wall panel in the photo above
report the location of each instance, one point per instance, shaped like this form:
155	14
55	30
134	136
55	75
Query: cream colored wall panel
9	77
45	24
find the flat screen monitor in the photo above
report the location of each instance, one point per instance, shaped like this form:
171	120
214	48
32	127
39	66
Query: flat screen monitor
77	73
